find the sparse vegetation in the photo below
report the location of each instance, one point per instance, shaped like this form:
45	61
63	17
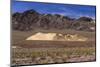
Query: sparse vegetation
43	52
51	55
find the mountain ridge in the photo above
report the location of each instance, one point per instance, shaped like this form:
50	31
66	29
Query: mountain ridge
31	19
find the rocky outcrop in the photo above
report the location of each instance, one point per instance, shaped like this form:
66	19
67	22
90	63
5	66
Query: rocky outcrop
24	21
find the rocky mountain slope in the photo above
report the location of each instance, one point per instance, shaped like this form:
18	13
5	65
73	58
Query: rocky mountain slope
30	20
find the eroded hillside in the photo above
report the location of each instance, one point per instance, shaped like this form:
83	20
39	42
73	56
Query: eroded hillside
30	20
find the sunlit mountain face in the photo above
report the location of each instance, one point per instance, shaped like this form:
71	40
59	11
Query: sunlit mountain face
74	11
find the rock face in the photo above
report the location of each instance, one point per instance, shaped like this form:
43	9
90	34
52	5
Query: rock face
24	21
30	20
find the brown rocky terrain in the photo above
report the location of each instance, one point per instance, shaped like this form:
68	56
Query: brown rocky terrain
30	20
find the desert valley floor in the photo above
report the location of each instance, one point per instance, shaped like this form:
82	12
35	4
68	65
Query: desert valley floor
26	50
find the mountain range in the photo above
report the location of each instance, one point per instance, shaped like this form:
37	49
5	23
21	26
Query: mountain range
31	19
